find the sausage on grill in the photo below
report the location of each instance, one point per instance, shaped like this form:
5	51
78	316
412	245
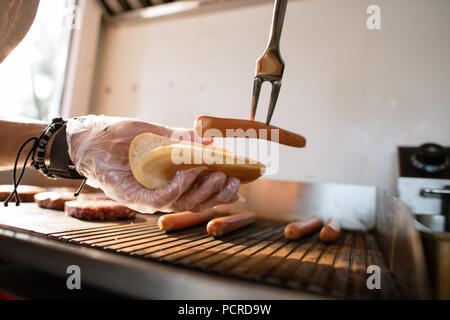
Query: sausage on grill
302	228
331	231
183	220
223	225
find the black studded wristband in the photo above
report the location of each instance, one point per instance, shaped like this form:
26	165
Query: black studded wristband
39	163
60	164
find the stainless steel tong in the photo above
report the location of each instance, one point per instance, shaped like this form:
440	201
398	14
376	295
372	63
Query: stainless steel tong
270	66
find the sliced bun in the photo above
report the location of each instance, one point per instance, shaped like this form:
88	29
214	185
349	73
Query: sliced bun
154	160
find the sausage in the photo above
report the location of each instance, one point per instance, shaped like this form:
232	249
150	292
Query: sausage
204	123
302	228
331	231
220	226
183	220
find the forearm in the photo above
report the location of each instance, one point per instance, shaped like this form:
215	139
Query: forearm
13	133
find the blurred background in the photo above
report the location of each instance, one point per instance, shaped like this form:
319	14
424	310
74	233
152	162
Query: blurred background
354	93
32	77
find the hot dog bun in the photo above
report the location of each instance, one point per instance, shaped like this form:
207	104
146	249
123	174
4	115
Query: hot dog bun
154	160
205	123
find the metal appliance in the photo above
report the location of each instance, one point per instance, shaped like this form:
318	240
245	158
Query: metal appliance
424	183
137	260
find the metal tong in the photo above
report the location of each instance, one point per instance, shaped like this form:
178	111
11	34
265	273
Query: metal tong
270	66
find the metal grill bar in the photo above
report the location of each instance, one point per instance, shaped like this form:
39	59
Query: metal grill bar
240	253
123	237
257	259
190	257
282	272
96	230
93	237
257	253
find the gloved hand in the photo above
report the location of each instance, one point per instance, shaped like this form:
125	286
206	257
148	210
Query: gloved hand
98	147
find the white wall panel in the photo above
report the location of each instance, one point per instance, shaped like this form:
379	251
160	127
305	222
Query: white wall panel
355	94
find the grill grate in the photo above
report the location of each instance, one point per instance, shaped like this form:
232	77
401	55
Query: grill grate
256	253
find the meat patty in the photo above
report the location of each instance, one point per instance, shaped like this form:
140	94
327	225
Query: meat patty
26	193
53	200
57	198
98	210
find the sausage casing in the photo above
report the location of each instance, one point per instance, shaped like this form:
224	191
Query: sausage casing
223	225
302	228
185	219
205	123
331	231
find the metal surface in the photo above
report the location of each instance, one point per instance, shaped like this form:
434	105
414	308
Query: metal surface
401	245
436	243
435	222
20	282
258	253
444	195
410	191
352	205
135	258
30	217
428	197
128	276
270	66
435	192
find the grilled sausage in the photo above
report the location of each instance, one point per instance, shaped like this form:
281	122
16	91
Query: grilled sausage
223	225
182	220
331	231
204	123
302	228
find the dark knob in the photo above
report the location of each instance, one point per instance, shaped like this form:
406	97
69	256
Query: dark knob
431	153
430	157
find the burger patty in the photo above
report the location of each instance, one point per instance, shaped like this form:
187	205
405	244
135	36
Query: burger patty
57	198
26	193
98	210
53	200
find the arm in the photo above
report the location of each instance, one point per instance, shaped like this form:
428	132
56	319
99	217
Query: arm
13	133
98	146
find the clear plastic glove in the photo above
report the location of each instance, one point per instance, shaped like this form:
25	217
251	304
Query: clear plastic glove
98	147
